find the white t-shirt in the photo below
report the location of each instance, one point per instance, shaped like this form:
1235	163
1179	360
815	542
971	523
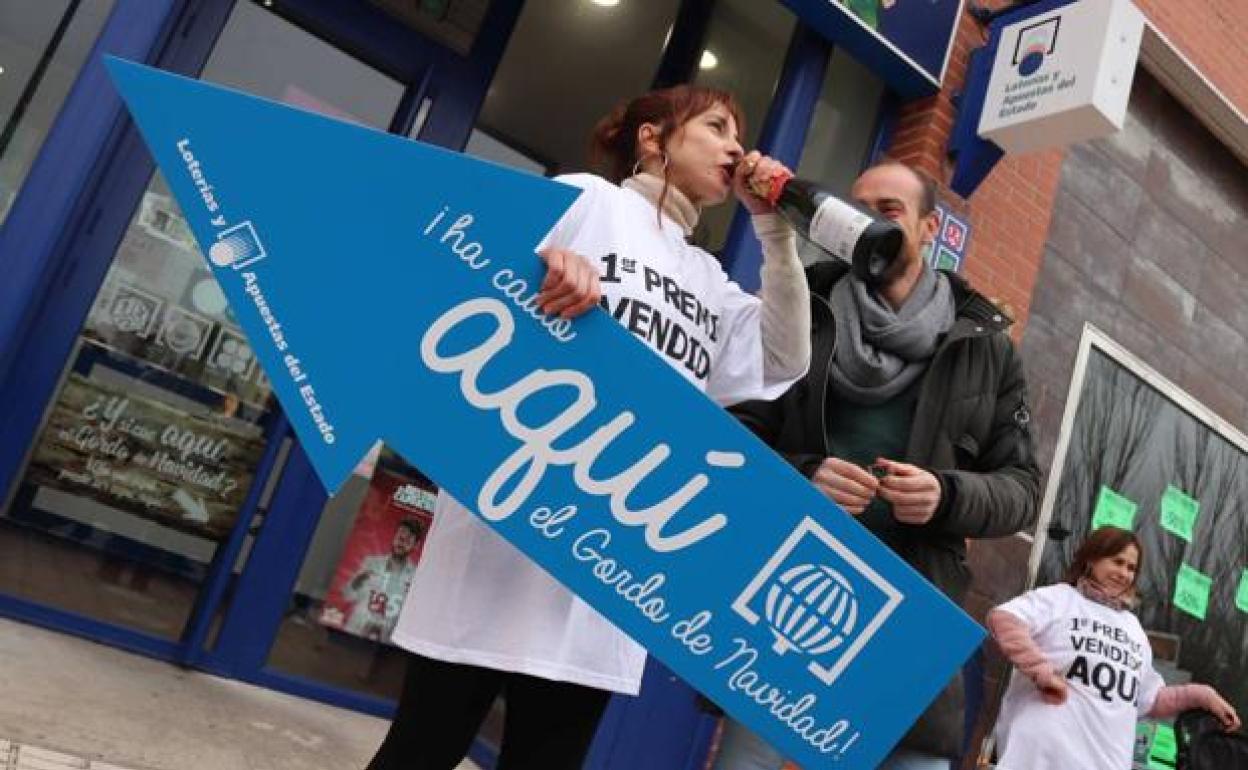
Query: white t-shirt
475	598
1108	666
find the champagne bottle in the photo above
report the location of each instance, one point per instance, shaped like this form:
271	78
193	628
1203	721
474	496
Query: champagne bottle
845	230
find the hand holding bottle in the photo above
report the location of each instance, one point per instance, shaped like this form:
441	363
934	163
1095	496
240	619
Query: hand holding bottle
868	242
752	180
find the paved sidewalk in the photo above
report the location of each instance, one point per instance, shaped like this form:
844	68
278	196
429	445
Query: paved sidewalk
68	703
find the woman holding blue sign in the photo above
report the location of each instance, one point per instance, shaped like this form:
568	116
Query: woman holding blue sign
1084	666
481	619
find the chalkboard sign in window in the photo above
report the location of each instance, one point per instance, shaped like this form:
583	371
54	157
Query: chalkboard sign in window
1137	452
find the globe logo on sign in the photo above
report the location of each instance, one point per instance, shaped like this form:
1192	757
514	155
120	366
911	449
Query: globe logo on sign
1032	59
817	599
237	247
810	608
1035	42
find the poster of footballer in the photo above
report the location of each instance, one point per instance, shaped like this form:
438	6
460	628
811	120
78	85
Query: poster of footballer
381	552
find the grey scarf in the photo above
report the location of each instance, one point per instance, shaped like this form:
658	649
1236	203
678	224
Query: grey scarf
880	352
1094	591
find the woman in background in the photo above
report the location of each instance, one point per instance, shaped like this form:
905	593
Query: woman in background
1084	666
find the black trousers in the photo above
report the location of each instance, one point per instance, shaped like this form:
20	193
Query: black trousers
548	726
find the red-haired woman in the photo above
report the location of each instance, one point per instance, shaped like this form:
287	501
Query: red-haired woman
1085	668
482	620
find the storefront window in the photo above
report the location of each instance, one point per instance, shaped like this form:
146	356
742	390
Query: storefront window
841	130
42	46
151	445
566	65
453	23
355	577
744	54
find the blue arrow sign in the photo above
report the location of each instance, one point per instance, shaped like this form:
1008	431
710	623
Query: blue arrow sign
383	284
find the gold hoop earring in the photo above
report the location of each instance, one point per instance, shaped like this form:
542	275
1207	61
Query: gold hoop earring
663	170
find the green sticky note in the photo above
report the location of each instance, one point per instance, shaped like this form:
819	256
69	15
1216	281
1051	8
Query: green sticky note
1241	596
1191	591
1179	512
1165	748
1113	510
1163	753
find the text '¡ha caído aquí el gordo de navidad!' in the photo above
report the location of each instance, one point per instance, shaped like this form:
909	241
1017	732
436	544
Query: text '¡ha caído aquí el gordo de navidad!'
508	488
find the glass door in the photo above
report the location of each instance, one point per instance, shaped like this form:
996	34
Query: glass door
147	478
42	47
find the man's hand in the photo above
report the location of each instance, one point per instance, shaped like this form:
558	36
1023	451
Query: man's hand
571	284
913	492
846	484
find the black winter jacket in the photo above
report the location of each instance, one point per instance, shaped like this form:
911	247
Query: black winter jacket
970	429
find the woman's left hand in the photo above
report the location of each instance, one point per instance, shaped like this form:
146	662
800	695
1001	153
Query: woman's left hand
571	286
754	173
1225	713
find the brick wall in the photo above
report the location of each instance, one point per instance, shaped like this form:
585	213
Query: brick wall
1030	224
1011	212
1213	35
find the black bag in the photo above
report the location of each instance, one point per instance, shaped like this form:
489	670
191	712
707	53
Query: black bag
1203	745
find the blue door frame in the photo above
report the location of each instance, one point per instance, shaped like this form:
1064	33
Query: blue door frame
58	243
73	210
